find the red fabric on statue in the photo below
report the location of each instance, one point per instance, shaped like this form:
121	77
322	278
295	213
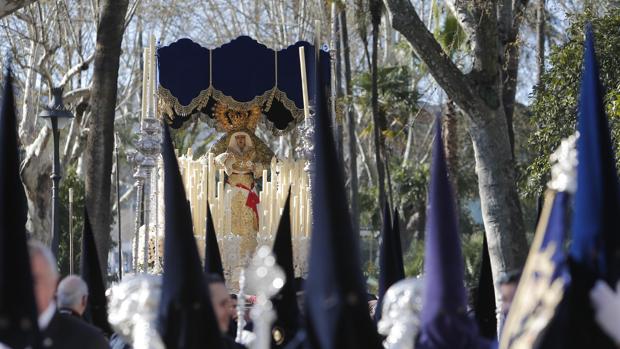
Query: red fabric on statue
252	201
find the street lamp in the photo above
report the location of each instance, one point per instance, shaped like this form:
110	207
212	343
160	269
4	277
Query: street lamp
57	117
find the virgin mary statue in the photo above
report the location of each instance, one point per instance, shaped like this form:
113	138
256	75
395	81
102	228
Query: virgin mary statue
243	156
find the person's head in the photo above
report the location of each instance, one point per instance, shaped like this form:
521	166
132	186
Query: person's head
240	139
233	306
72	294
44	274
507	287
220	300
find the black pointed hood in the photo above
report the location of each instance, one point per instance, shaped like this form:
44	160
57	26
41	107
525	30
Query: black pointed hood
18	312
391	269
97	307
186	319
213	259
337	313
484	302
285	302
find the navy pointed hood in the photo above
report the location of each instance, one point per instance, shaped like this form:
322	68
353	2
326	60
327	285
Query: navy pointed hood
186	319
337	313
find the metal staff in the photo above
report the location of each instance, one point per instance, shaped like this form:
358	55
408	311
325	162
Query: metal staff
118	210
70	230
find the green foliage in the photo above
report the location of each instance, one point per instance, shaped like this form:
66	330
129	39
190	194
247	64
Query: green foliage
448	32
71	180
411	184
471	245
398	97
370	213
414	259
191	135
555	99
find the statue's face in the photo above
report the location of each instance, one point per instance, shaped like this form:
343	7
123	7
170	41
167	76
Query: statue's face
240	141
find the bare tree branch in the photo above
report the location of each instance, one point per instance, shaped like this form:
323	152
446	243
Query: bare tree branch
76	94
76	69
464	16
9	6
406	20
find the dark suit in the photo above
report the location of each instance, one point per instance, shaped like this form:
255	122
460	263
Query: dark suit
229	343
68	332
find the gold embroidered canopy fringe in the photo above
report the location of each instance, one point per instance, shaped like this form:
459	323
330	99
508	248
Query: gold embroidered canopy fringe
241	75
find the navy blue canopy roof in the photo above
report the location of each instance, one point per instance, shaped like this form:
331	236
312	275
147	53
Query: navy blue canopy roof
241	74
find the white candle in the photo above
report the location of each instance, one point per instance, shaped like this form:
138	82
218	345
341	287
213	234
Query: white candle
304	83
308	216
153	77
294	218
145	78
228	228
211	177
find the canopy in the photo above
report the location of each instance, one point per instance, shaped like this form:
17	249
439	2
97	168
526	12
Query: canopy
241	74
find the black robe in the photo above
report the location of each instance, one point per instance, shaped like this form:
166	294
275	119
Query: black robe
69	332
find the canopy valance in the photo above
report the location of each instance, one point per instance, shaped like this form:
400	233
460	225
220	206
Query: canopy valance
241	75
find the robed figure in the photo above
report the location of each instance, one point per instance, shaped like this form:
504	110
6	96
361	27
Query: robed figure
243	156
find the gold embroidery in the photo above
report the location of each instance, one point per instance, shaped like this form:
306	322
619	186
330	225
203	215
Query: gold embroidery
236	120
169	102
170	107
538	294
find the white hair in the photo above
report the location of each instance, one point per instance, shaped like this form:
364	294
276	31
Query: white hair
38	248
71	291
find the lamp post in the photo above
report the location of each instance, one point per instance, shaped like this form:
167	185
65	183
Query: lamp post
57	117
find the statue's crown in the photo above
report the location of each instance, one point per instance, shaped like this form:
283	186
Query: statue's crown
232	120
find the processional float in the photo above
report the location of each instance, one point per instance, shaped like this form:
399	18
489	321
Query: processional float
234	88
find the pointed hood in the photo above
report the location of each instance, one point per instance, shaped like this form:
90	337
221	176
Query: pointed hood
17	304
97	307
443	260
596	215
213	259
390	258
596	221
400	264
336	309
484	303
285	302
186	318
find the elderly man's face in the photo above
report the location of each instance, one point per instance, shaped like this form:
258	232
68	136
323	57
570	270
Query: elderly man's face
240	141
221	304
44	281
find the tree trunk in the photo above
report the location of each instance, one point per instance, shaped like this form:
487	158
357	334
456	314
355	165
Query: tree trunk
26	125
346	51
540	38
35	173
379	126
449	125
100	143
501	210
409	144
339	132
480	96
9	6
